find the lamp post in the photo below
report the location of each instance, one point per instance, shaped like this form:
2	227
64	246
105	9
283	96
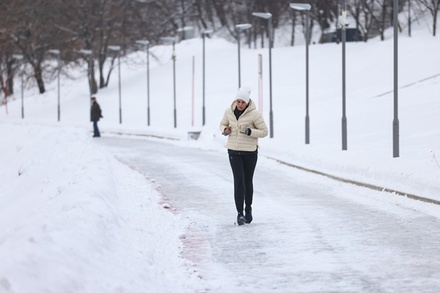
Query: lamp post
396	89
204	33
305	7
147	49
173	56
267	16
19	57
57	53
239	28
342	25
118	49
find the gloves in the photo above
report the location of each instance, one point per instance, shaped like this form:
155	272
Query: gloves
227	131
246	131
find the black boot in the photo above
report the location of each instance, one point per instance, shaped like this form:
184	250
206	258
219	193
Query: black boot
240	219
248	215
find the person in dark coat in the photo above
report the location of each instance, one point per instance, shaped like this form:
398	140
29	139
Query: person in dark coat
95	115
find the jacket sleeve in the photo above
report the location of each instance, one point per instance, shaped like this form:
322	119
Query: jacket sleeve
224	123
260	129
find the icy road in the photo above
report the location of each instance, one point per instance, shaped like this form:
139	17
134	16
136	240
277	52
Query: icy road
309	234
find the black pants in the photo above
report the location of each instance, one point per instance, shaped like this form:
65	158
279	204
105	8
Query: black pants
243	167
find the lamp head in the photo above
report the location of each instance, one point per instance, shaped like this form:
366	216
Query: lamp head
300	6
168	39
207	31
143	42
114	48
17	56
54	51
265	15
243	26
85	51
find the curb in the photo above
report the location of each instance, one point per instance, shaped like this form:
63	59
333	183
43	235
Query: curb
358	183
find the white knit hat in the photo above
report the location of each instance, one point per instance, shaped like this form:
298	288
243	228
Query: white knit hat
243	94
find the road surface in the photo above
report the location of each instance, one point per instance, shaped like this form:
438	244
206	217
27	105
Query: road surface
309	234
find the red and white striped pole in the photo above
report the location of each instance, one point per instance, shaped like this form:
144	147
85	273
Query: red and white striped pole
260	83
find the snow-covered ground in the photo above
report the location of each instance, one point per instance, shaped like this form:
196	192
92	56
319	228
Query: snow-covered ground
73	218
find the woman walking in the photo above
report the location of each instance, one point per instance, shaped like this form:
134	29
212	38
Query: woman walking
243	125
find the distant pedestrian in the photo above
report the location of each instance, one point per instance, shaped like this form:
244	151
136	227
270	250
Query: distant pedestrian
95	115
243	125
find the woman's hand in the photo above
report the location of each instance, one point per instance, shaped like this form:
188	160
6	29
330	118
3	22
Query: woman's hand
227	131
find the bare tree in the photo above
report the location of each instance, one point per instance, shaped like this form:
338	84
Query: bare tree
356	8
380	12
433	6
6	62
28	25
31	28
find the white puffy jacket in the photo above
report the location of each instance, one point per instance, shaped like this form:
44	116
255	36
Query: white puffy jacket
250	118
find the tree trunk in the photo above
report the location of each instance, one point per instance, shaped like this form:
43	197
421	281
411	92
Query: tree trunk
10	78
94	84
39	77
102	82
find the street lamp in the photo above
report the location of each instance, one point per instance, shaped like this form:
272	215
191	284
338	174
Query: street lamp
57	53
19	57
118	49
305	7
396	89
147	48
173	40
342	25
239	28
204	33
88	53
267	16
